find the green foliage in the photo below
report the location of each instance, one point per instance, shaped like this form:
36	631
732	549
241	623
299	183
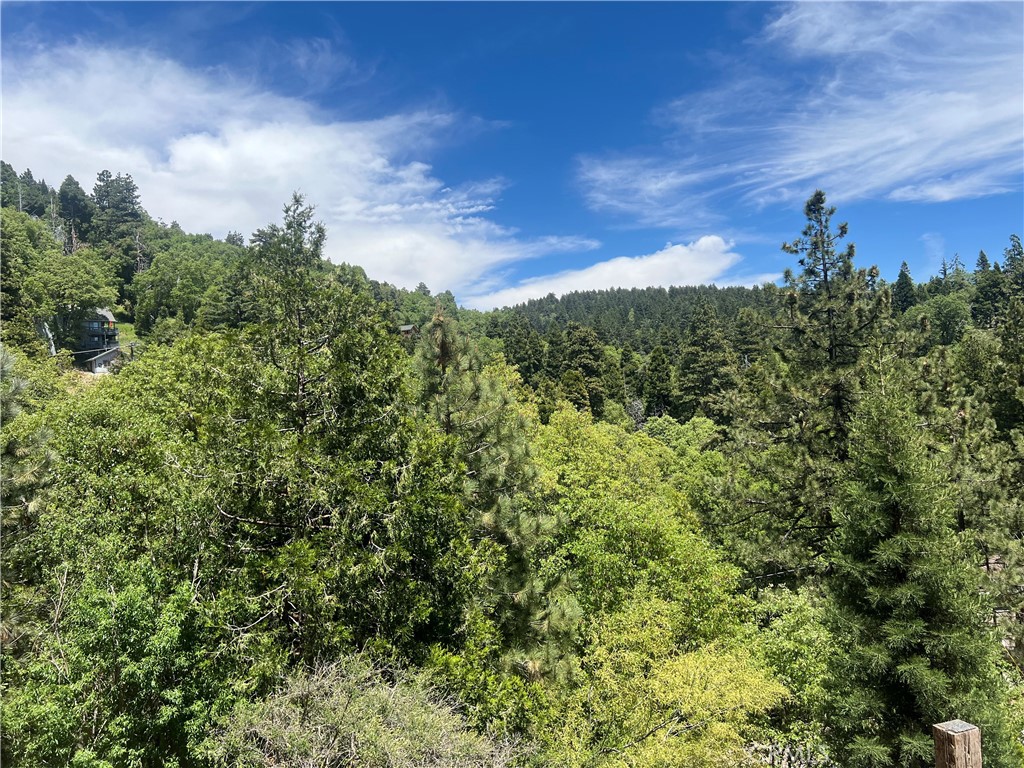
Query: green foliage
707	366
25	243
266	495
645	701
903	294
609	528
63	289
906	607
180	281
116	225
195	546
1013	265
524	347
947	317
573	388
638	316
658	387
793	409
76	211
795	644
350	713
1008	376
494	694
23	193
120	648
584	354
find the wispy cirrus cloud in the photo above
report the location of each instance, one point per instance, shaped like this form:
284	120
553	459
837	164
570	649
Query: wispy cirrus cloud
904	101
706	260
218	153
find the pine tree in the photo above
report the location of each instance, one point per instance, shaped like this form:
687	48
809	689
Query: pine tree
1013	265
611	375
903	294
748	336
982	265
524	347
33	196
9	187
117	223
555	362
632	372
76	211
707	366
474	404
989	303
833	311
791	418
658	383
583	353
573	387
905	600
1008	405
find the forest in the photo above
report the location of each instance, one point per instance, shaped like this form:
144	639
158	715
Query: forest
312	519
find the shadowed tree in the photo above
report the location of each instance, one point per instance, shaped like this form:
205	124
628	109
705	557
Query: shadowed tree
658	383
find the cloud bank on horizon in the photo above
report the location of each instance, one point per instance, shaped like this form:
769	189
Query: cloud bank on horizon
901	102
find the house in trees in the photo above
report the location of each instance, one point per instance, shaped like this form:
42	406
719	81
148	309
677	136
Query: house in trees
97	345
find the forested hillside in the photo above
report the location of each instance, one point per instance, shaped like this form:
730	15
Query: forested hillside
312	519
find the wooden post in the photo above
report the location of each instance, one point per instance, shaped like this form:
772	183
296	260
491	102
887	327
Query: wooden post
957	745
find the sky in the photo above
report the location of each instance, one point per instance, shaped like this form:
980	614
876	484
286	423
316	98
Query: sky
505	151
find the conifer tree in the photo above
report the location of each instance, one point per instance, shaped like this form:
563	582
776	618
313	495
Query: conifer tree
9	187
982	264
573	387
583	353
474	403
524	347
748	336
1009	384
554	353
632	372
989	302
1013	265
791	418
76	211
117	223
611	375
832	309
658	383
903	294
475	406
707	366
905	601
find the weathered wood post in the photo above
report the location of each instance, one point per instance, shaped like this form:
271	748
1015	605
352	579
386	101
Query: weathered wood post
957	745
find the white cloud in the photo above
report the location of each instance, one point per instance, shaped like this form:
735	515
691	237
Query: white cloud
910	102
699	263
217	154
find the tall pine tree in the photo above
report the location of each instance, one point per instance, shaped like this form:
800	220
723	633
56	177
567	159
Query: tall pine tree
905	601
792	416
903	294
707	366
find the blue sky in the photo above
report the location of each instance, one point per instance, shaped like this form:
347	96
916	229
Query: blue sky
504	151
